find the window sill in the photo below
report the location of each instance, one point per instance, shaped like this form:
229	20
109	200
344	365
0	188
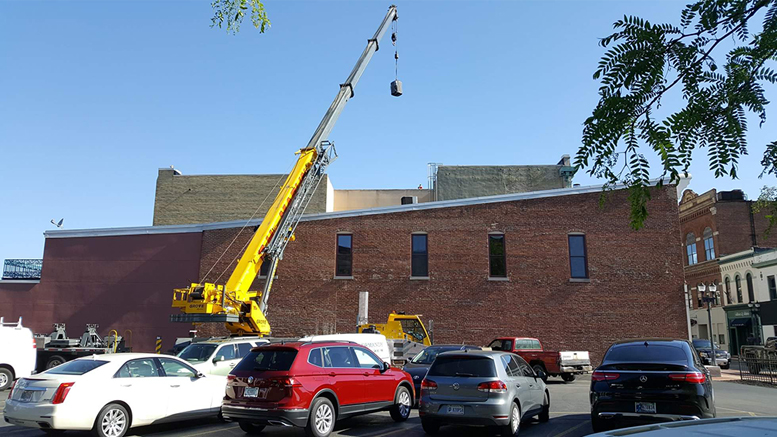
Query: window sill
343	277
419	278
580	280
265	277
498	279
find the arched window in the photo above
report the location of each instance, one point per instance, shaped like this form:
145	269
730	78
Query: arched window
718	292
738	284
709	245
690	249
728	290
750	295
699	297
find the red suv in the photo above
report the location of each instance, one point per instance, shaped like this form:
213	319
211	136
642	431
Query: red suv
312	385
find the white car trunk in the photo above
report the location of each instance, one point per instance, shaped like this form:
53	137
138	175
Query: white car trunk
40	388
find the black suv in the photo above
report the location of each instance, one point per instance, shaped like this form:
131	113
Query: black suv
650	380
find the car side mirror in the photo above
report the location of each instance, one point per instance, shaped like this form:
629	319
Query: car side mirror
385	366
540	374
217	359
200	375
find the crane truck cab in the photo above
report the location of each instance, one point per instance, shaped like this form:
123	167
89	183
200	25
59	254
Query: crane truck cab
400	326
218	356
17	354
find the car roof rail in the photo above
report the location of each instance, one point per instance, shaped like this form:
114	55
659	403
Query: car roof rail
330	341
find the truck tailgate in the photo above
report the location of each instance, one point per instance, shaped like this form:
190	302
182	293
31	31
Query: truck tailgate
574	358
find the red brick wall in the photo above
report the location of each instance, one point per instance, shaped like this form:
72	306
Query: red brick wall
121	282
636	286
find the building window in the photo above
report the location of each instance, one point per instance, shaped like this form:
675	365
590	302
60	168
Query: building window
750	296
738	284
497	256
699	299
728	289
690	249
420	256
578	261
344	261
717	294
709	245
772	287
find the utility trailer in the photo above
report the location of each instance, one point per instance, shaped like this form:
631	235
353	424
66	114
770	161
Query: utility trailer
57	348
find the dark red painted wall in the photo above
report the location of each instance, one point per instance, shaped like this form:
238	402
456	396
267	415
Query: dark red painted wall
122	282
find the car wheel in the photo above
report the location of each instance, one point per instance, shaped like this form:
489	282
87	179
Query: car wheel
322	418
568	377
597	424
544	416
514	427
6	378
54	361
113	421
726	366
537	369
400	411
250	427
430	426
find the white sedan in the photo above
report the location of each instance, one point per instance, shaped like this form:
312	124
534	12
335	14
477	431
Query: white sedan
111	393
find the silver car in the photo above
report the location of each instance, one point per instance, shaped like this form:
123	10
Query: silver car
485	388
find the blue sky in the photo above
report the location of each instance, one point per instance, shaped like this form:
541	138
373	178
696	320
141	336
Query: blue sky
95	96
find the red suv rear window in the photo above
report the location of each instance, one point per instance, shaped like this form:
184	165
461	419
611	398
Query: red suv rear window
268	359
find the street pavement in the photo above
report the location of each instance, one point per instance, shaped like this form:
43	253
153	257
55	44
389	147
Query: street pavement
569	417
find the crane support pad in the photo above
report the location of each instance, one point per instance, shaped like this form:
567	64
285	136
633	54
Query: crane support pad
205	318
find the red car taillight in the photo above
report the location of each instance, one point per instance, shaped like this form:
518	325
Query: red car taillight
604	376
492	387
62	392
285	382
13	384
693	377
230	378
427	385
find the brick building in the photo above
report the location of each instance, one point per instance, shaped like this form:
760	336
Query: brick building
552	264
714	225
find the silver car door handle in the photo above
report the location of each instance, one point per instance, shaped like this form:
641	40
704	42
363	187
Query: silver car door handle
233	365
517	385
175	385
126	385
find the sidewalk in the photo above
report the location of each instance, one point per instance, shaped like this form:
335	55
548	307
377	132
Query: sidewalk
728	375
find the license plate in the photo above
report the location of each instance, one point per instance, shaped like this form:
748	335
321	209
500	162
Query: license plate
251	392
455	409
645	407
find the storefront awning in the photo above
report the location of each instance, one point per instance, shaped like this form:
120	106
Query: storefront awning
740	322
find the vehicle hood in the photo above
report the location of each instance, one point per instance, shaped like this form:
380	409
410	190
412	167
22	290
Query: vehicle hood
708	351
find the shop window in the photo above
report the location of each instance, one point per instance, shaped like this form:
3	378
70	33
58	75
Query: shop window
497	256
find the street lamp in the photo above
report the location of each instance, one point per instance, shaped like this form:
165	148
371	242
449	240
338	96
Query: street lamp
708	295
754	309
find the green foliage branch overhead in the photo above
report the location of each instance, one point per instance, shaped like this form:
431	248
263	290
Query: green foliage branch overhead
644	61
229	14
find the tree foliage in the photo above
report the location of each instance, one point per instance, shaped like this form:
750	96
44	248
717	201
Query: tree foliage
229	14
767	203
644	61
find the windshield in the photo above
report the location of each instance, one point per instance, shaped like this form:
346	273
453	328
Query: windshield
703	344
428	355
639	353
76	367
197	352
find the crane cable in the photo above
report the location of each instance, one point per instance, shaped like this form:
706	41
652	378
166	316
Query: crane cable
204	278
395	29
